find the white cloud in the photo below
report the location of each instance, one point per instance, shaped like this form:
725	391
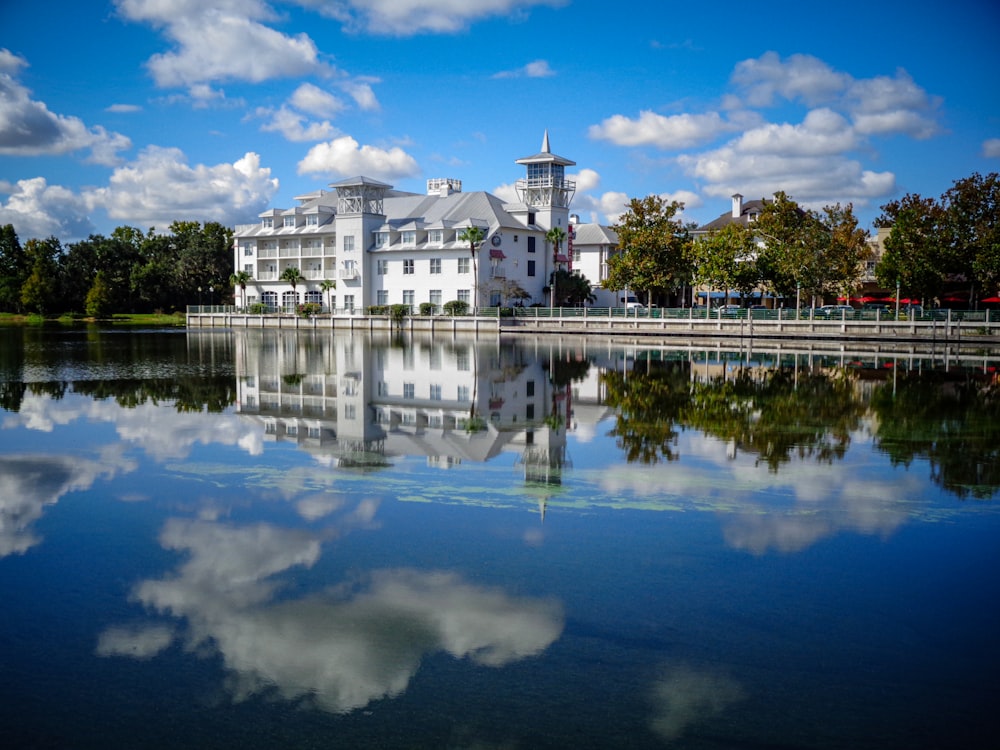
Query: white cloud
395	18
221	41
344	156
160	187
822	133
28	128
800	77
315	101
123	108
143	642
536	69
294	126
991	148
662	131
38	210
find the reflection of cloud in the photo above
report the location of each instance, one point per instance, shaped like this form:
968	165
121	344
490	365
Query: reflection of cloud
138	642
28	483
685	696
805	500
345	647
163	434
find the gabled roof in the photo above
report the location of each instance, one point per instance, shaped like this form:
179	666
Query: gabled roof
594	234
545	156
749	208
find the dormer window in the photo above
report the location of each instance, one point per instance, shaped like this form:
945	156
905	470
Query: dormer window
436	236
267	222
289	221
408	237
381	239
312	220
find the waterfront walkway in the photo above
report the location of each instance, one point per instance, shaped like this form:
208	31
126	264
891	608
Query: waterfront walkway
942	326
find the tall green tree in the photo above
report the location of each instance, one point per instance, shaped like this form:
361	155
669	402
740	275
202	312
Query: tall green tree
14	269
846	249
39	291
972	220
474	236
325	286
204	255
727	259
790	257
654	249
918	256
570	289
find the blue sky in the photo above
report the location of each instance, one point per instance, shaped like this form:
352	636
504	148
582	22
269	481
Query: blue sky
143	112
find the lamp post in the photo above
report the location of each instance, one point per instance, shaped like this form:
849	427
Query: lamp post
211	295
199	299
897	299
798	297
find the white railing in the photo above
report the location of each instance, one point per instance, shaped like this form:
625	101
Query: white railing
347	273
267	276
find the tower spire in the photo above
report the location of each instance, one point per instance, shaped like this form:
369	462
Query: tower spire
545	142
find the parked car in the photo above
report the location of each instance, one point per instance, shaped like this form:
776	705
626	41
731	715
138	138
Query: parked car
835	311
729	311
634	306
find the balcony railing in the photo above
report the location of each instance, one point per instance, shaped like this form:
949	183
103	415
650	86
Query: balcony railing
347	273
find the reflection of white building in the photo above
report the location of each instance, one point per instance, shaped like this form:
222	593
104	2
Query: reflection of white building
361	400
382	246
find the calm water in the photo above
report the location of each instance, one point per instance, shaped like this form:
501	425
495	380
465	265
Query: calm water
257	540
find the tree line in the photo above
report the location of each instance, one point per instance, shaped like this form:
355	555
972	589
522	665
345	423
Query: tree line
128	272
787	250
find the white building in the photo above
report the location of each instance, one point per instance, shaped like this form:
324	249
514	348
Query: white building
382	246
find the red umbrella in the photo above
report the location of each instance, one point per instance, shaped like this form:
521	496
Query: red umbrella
991	301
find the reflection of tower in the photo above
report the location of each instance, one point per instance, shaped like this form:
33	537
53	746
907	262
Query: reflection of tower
361	442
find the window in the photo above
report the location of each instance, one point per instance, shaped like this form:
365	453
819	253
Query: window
531	268
435	392
349	243
267	223
289	221
463	265
464	296
529	412
409	237
408	266
381	239
314	296
248	249
576	255
408	390
529	388
382	267
408	297
435	298
531	244
248	267
463	393
462	361
350	411
382	297
312	220
435	265
531	214
349	302
436	236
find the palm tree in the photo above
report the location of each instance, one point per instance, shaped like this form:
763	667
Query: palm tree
325	286
474	236
241	279
555	235
293	276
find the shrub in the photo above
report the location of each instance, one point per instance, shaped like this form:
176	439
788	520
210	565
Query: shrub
308	309
257	308
399	312
378	309
456	307
427	308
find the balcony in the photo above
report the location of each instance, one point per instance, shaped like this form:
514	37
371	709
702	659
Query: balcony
348	273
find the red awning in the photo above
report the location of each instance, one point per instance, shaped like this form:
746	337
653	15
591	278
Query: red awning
498	254
562	259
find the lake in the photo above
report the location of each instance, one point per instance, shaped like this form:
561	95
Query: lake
265	539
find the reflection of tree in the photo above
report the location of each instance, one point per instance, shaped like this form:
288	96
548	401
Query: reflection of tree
951	420
189	394
776	413
649	405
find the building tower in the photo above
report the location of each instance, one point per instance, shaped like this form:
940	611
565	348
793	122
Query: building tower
360	211
545	193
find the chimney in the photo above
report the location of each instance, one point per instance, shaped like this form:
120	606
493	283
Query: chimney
737	205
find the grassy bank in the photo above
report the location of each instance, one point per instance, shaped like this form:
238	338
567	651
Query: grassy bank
124	319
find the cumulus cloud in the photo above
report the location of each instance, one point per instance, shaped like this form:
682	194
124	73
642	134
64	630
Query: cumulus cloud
315	101
221	41
38	210
662	131
536	69
344	156
393	18
294	126
342	648
815	160
28	128
138	642
991	148
160	187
